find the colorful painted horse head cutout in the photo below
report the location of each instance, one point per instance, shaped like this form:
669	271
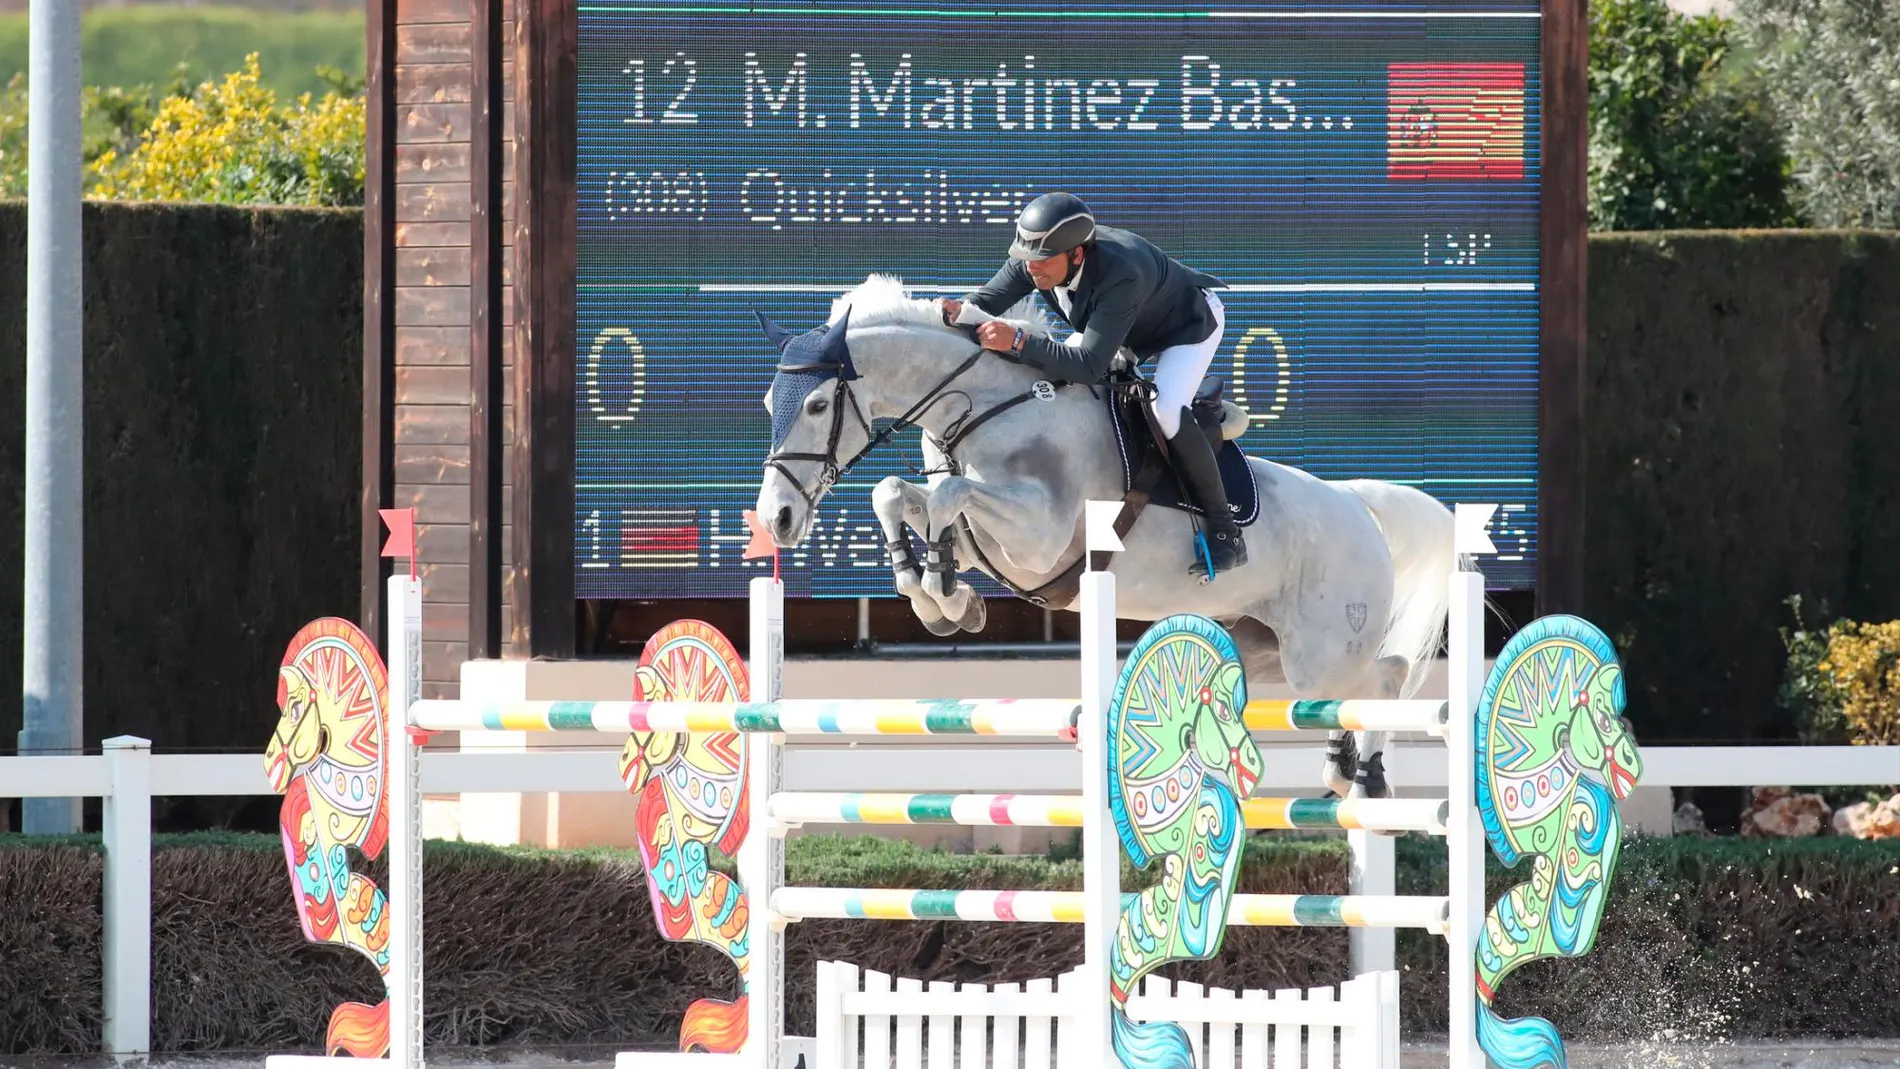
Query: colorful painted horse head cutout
1554	755
692	795
1181	761
326	758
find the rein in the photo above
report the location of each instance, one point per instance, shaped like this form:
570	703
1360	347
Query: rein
832	469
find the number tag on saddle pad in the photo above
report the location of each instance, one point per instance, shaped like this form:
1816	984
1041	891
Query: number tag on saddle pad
1045	390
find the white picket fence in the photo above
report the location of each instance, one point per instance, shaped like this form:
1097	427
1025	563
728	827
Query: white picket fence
866	1018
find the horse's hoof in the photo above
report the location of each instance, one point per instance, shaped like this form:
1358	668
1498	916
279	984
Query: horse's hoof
974	617
941	627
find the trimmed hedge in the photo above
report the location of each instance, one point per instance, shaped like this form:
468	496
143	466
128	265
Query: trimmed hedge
222	422
1709	937
1741	449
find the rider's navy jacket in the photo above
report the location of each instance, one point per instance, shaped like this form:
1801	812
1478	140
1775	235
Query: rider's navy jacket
1131	294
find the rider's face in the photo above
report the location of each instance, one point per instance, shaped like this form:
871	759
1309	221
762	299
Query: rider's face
1054	271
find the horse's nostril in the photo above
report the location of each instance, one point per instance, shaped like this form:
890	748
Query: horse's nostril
784	520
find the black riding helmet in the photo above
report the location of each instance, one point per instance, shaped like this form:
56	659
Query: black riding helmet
1051	225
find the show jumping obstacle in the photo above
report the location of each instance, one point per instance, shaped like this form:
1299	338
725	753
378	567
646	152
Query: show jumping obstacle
1167	771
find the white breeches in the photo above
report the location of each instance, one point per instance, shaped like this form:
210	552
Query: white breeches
1179	369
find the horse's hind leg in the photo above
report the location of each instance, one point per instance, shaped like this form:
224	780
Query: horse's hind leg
901	506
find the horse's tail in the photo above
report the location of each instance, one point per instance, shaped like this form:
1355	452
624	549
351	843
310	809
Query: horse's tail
1520	1043
714	1026
1418	532
358	1030
1153	1045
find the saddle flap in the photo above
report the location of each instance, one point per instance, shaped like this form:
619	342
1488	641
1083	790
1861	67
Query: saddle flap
1208	393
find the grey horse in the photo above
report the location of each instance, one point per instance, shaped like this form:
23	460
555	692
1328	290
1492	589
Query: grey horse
1344	594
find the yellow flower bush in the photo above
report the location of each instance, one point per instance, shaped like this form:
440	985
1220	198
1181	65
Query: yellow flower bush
231	142
1863	663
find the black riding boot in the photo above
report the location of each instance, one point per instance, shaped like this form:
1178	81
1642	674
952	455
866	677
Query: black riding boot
1193	458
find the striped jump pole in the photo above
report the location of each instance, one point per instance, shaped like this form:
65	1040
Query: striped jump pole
790	810
1067	907
1026	717
1408	714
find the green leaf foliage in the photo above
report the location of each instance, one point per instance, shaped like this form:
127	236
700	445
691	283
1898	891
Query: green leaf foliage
1681	137
1833	70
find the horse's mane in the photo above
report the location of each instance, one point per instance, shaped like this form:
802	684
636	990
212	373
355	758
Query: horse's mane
882	300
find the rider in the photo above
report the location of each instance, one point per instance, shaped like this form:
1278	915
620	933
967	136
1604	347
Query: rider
1116	289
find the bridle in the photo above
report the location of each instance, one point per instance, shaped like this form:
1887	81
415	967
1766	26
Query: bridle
830	468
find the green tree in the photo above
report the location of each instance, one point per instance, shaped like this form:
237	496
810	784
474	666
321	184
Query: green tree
1834	73
1679	138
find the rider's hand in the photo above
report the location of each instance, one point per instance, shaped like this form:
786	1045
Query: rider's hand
951	308
997	335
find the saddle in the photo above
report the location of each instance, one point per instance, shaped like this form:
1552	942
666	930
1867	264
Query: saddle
1144	449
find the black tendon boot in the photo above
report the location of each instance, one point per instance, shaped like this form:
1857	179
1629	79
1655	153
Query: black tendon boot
1193	458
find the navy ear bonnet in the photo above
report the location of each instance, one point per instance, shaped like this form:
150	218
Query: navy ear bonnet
805	361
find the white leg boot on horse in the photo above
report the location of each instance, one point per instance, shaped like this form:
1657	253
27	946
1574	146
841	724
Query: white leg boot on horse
1343	592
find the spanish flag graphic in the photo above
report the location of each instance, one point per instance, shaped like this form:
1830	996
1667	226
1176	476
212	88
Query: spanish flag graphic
1456	121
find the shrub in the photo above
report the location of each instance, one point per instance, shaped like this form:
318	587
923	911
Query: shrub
1843	683
1678	139
229	142
1833	71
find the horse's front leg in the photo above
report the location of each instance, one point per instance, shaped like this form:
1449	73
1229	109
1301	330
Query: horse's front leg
1017	516
901	506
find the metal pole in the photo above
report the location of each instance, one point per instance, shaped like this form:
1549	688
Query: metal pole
50	681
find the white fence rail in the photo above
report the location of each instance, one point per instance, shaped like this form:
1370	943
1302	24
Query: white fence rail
128	775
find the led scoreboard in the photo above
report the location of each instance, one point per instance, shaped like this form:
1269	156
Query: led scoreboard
1363	175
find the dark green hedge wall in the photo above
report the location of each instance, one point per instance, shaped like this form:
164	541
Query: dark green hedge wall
1742	448
222	432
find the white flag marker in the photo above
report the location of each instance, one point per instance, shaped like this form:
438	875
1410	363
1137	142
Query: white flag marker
1100	534
1468	529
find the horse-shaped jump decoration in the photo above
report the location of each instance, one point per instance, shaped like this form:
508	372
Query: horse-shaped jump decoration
1554	756
1344	594
326	758
692	799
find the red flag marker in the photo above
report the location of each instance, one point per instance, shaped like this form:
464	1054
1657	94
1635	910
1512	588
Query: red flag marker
761	543
402	535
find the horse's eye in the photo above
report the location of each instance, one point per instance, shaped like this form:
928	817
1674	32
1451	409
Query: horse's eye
817	405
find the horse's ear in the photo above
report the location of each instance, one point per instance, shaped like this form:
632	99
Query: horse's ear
837	351
777	335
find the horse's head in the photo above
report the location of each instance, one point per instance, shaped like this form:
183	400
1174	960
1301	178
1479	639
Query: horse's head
299	737
820	424
1599	736
1220	732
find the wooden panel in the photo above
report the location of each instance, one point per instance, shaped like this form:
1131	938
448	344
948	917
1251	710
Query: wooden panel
432	161
432	202
432	83
1563	382
442	661
442	543
415	11
443	621
435	235
487	323
431	345
508	202
434	465
434	424
379	321
431	306
443	503
432	267
432	122
446	43
431	386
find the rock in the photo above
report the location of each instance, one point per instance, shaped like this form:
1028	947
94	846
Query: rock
1688	821
1867	820
1778	812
